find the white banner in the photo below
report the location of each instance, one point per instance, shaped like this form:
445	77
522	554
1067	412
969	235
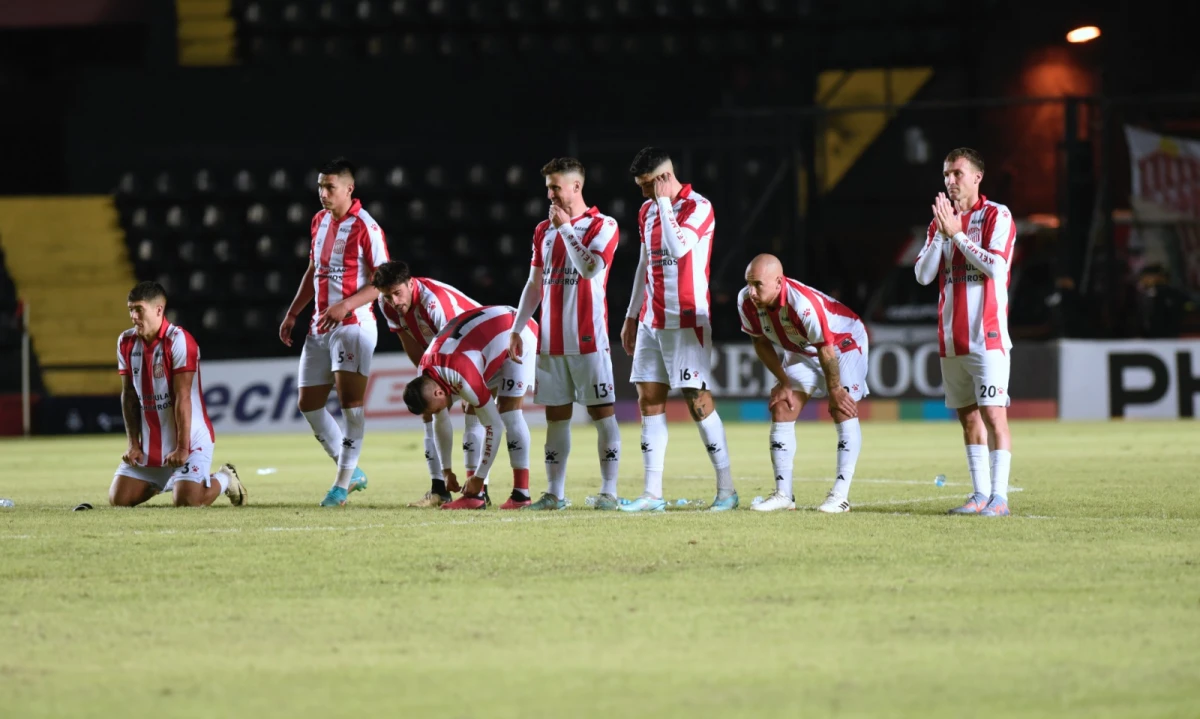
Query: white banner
1157	379
1166	185
260	396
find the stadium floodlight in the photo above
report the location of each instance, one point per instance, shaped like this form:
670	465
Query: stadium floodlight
1083	34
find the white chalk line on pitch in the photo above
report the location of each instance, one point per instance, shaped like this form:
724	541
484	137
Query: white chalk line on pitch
911	482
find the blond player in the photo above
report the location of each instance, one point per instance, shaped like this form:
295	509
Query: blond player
347	247
572	255
170	436
825	355
416	309
469	360
969	251
667	326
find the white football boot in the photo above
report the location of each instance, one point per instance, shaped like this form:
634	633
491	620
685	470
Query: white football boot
775	503
834	504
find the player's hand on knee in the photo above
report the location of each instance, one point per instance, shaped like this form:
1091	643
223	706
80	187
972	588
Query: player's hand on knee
841	401
516	347
177	457
451	480
782	394
629	335
134	456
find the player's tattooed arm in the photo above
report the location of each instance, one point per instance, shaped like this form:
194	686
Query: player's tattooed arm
131	410
839	398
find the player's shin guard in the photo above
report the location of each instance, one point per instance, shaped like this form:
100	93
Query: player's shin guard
558	448
654	451
849	444
432	458
326	430
977	465
608	444
351	445
783	455
516	433
712	433
472	443
1001	462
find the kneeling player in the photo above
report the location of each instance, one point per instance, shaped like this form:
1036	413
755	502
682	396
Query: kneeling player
825	346
416	309
469	360
170	436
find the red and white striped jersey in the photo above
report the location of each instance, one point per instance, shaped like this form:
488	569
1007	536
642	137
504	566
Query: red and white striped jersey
973	308
805	320
677	287
467	354
152	369
345	254
574	308
433	305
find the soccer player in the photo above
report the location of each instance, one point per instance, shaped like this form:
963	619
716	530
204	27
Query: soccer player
416	309
825	354
469	359
170	436
969	251
347	247
572	255
667	326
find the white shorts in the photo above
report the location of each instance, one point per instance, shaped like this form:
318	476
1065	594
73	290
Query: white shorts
346	348
514	380
196	469
676	357
976	379
563	379
807	376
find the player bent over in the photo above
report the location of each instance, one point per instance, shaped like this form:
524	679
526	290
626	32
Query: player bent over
416	309
347	247
469	360
825	354
170	436
969	250
572	255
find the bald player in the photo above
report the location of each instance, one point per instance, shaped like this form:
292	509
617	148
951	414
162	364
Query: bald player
825	354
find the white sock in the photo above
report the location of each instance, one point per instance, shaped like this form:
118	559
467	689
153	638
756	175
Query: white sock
432	459
327	431
977	464
1001	461
516	433
712	433
351	445
222	478
654	450
472	443
783	455
558	448
443	434
849	445
608	444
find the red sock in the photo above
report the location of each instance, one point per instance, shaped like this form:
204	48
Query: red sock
521	479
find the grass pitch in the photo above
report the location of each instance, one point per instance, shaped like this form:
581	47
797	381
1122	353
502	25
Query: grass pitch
1086	603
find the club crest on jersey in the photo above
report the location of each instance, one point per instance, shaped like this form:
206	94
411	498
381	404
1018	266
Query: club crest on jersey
159	370
973	234
339	246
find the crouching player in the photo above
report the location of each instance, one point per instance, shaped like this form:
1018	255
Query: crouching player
170	436
469	360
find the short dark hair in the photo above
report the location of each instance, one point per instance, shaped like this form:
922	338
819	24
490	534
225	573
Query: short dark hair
338	166
647	160
390	273
414	394
563	164
968	154
147	291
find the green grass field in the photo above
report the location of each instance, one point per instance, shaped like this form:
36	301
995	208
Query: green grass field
1086	603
